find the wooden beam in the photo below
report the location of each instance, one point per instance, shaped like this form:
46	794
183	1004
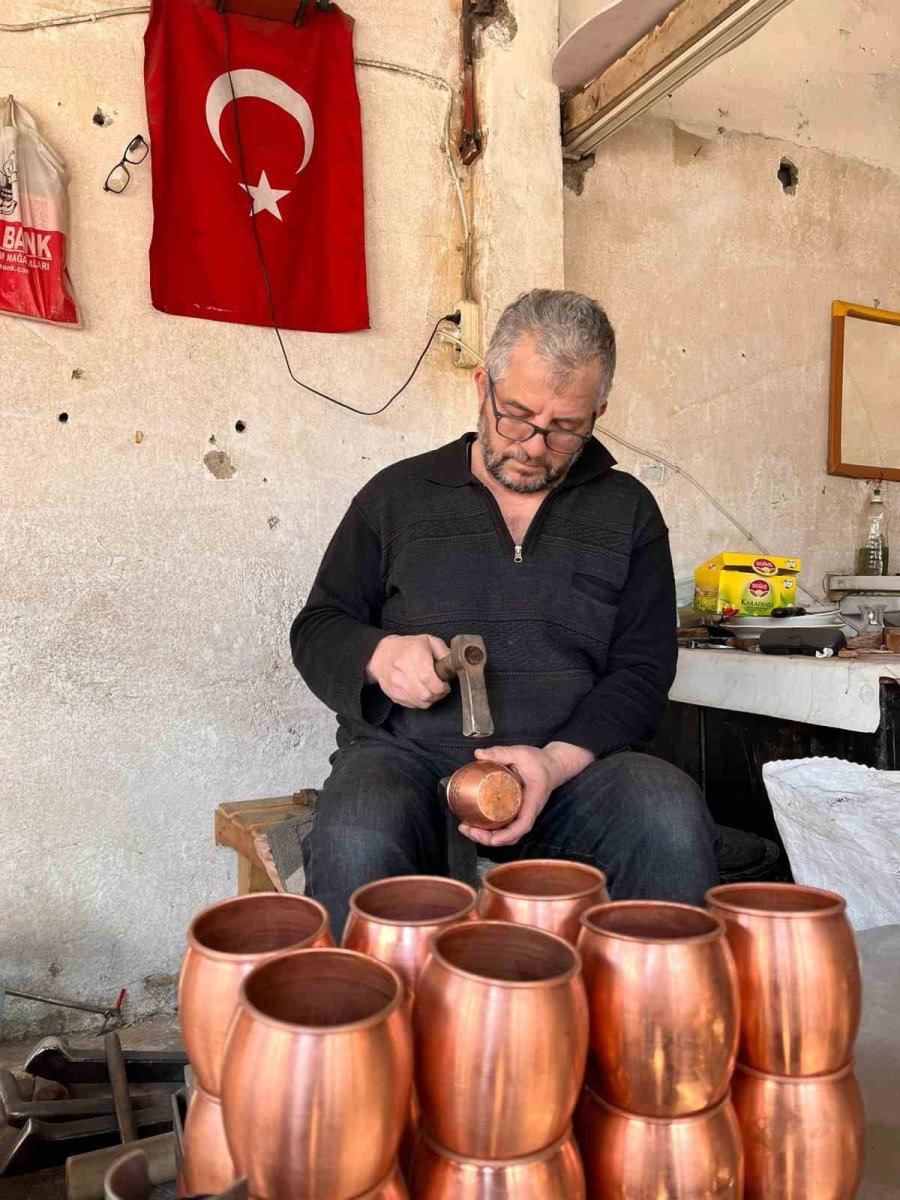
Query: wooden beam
686	24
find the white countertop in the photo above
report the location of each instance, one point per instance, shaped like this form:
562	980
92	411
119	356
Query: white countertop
840	692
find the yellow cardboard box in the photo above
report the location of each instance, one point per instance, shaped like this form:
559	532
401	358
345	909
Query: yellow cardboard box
747	585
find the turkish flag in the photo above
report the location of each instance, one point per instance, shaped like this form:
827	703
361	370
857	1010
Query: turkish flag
296	173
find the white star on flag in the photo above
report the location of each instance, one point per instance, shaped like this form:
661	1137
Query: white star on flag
264	196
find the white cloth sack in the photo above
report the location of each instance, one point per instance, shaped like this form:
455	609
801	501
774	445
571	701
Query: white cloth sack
840	824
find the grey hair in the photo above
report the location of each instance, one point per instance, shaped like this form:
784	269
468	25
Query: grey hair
569	330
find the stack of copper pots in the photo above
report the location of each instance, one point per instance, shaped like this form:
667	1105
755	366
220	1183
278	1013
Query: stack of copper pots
305	1055
796	1097
301	1057
500	1029
655	1118
225	943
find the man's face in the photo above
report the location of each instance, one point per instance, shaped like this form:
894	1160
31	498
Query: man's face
526	392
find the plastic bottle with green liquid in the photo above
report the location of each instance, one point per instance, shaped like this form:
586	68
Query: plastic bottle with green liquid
873	554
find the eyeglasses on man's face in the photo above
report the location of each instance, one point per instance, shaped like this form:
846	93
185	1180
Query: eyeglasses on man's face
517	429
119	177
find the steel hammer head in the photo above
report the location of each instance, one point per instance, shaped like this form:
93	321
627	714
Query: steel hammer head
466	661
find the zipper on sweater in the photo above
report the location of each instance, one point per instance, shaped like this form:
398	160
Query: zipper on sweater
503	529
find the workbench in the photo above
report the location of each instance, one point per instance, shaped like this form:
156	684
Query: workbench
731	711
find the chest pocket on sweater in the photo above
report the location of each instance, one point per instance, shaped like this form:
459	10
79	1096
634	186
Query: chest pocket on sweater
596	585
595	592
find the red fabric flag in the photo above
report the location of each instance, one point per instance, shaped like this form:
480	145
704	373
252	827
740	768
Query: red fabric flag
297	113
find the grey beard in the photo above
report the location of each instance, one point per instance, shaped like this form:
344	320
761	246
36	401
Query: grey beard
494	463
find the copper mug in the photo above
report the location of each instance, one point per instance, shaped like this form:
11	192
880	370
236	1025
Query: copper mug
663	998
803	1136
225	942
629	1157
317	1074
554	1173
501	1028
549	893
394	919
799	975
485	795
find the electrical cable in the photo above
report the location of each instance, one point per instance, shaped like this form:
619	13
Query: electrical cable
260	254
665	462
75	18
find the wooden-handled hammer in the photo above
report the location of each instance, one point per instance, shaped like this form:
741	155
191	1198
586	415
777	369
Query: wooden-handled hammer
466	660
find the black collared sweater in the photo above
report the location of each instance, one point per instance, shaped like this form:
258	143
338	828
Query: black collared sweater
579	621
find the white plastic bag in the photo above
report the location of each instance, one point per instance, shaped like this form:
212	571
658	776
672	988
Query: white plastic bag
840	824
34	223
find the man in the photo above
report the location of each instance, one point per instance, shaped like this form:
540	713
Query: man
526	535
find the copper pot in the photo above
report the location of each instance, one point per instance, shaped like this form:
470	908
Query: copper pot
393	919
549	893
207	1165
316	1081
799	975
486	795
225	943
663	998
628	1157
500	1026
551	1174
803	1137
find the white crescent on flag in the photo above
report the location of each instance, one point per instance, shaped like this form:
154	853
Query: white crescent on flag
248	82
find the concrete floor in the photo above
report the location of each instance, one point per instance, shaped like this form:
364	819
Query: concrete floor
877	1066
878	1061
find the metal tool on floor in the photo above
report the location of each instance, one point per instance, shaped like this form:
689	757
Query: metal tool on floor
112	1094
466	661
118	1082
112	1017
85	1173
54	1059
41	1144
16	1110
131	1178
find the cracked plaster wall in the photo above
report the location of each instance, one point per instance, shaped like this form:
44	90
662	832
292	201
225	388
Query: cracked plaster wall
150	581
720	284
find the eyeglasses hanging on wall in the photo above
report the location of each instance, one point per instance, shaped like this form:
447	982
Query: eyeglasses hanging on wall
119	177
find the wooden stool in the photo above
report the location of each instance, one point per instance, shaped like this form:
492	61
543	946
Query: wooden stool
244	824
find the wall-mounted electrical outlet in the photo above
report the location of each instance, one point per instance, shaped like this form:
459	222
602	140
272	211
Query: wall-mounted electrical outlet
467	351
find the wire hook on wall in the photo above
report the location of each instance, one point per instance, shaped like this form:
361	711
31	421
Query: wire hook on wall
294	12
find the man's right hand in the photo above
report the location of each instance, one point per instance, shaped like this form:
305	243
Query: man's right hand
403	667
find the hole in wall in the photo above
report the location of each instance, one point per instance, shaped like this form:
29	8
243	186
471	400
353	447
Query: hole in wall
574	171
62	418
240	426
219	464
788	174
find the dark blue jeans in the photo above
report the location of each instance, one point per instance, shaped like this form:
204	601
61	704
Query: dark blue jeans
639	819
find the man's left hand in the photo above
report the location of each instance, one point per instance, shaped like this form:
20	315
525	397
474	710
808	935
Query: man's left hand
541	771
